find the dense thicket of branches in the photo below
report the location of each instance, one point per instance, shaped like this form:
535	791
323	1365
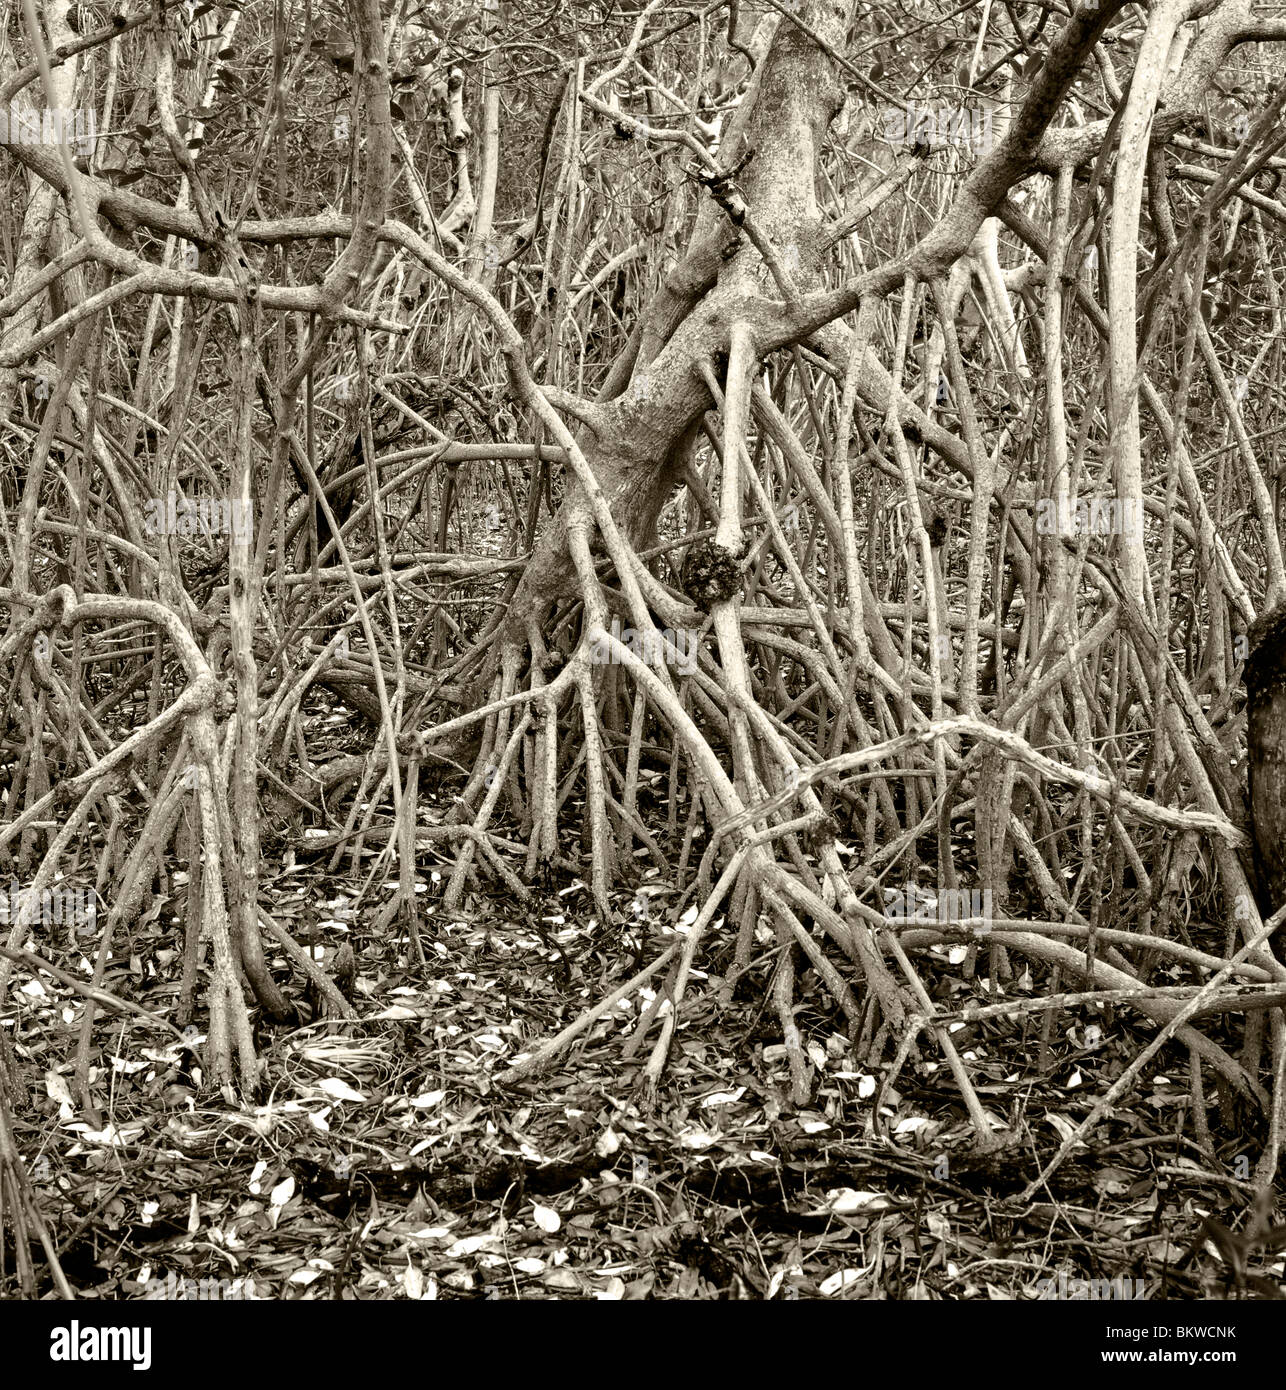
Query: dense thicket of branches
827	452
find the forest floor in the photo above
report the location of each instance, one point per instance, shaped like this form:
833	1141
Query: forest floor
384	1162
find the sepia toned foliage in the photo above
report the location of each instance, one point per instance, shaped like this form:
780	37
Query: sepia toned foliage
825	455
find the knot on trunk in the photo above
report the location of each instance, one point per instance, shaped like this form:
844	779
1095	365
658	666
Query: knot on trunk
710	574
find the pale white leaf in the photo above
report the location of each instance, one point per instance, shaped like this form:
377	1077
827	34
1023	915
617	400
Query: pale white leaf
546	1218
340	1090
839	1281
